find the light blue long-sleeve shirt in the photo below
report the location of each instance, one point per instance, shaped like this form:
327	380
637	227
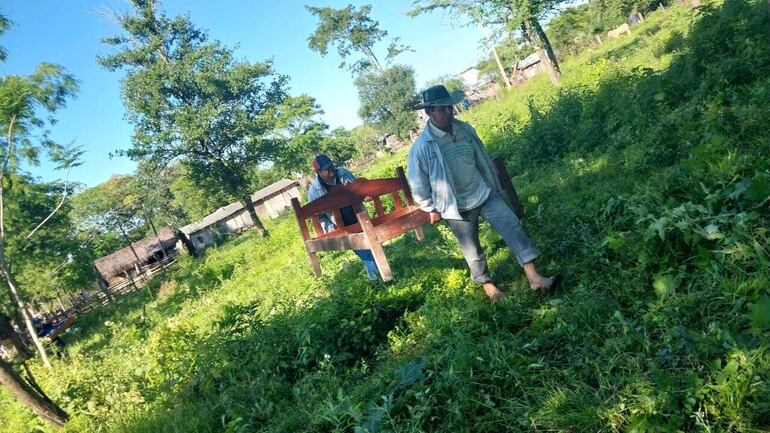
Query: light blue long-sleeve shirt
432	181
316	191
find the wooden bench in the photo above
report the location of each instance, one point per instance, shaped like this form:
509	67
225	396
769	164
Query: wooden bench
370	233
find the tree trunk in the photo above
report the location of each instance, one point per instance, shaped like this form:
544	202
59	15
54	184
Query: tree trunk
187	243
7	330
501	68
22	308
27	395
534	34
160	241
249	205
104	288
131	247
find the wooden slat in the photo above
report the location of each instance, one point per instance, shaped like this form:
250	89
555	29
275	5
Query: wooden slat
351	194
338	243
378	206
338	218
397	200
317	225
341	231
395	227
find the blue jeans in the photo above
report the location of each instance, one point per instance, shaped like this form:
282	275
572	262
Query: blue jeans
505	223
371	267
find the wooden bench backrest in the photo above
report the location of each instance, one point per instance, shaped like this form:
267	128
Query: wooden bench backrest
353	194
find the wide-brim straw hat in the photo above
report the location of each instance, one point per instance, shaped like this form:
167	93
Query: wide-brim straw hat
439	96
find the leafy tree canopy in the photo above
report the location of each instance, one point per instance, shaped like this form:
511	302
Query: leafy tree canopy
189	99
352	31
387	99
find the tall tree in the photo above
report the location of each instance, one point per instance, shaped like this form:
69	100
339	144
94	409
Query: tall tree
522	15
189	99
387	99
352	31
22	100
301	130
379	86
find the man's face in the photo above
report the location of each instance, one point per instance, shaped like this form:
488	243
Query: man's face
442	117
327	174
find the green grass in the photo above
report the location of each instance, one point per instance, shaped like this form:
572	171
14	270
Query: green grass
645	183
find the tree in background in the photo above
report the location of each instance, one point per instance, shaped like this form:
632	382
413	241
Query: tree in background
194	201
387	99
190	100
451	83
22	101
352	31
52	262
510	51
155	197
512	15
382	89
300	130
572	29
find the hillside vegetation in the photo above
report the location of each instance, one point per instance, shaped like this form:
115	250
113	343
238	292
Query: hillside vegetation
646	183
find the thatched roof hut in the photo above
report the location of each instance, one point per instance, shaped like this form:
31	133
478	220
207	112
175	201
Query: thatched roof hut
149	250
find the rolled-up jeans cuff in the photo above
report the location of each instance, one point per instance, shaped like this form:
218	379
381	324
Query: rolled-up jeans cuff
481	279
526	256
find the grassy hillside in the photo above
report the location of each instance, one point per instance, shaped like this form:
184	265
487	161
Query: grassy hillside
645	180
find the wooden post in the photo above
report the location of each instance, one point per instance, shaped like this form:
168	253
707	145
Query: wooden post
405	185
418	232
510	191
306	236
375	246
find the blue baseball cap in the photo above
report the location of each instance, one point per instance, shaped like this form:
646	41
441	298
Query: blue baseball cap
322	162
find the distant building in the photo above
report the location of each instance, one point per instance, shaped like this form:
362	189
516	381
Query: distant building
527	68
121	264
269	203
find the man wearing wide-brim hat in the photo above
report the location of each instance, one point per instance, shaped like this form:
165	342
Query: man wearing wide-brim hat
451	175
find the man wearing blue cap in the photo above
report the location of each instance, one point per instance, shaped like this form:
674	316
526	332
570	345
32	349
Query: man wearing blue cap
327	177
451	175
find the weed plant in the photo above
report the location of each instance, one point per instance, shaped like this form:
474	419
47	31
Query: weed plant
645	180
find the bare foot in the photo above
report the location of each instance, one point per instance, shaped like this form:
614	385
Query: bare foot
542	284
492	291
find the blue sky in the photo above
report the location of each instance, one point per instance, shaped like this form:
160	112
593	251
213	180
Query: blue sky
69	33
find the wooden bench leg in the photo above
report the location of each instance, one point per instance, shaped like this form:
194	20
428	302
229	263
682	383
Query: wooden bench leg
419	233
315	264
375	246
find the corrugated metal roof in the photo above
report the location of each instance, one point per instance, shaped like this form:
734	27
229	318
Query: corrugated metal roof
528	61
225	212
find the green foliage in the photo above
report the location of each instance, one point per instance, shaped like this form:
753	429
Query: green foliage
52	260
573	29
189	99
450	82
352	31
366	140
4	24
387	99
645	183
510	51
